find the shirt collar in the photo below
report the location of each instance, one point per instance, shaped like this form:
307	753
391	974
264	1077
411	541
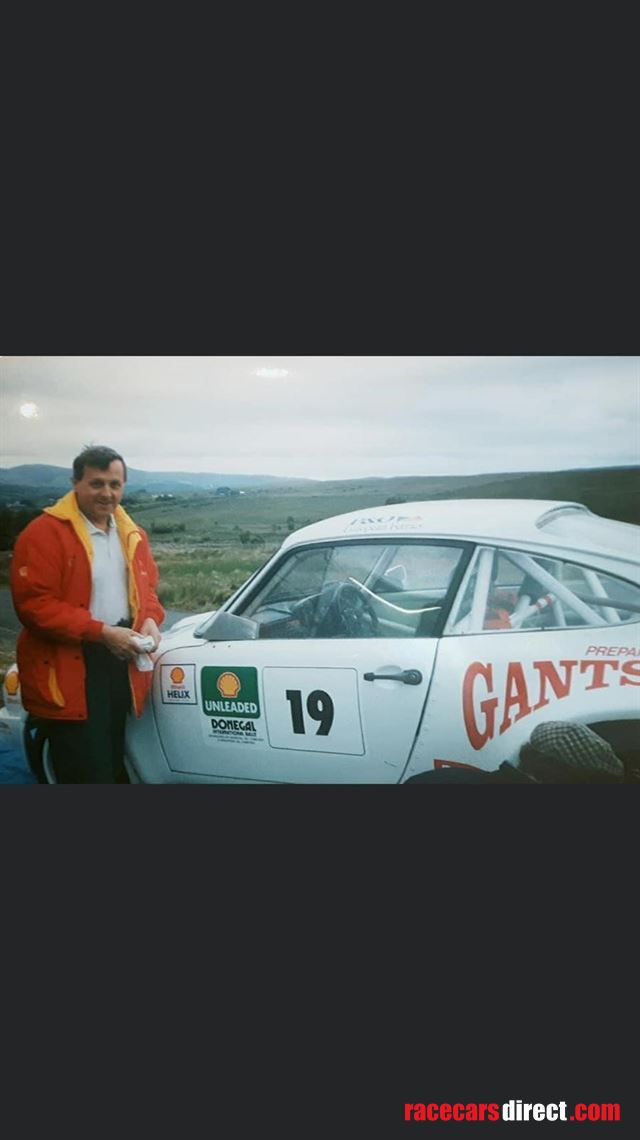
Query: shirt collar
93	529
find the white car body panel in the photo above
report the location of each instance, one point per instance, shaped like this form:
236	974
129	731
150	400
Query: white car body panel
533	522
491	690
373	729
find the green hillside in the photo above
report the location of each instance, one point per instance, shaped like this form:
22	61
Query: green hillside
613	492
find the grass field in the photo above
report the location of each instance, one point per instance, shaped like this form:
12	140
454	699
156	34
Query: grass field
201	579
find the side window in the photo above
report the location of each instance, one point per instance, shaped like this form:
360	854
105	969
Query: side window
353	590
508	589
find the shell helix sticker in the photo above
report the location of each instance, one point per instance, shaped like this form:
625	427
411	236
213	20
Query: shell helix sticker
178	685
231	702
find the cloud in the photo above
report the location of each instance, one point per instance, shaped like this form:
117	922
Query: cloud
328	417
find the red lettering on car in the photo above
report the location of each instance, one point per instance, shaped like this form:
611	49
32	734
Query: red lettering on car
548	672
515	694
478	738
630	669
599	668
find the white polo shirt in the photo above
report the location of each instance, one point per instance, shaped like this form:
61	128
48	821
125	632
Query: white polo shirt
109	584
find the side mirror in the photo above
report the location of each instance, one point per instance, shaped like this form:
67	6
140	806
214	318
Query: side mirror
228	627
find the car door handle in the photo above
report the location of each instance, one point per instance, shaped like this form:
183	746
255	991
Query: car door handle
407	676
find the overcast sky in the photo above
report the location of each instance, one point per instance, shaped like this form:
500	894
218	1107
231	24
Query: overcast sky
324	417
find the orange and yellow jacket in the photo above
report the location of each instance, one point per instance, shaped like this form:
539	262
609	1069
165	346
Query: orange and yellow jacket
51	588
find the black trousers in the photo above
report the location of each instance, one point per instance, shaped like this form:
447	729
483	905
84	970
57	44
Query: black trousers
91	751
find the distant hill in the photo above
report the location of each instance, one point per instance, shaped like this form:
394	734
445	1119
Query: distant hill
609	491
34	475
613	492
43	477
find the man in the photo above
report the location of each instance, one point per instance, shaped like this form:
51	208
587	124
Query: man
559	752
83	582
563	752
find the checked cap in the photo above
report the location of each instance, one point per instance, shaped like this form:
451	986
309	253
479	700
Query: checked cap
576	746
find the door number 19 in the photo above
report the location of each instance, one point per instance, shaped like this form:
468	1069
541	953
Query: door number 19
319	708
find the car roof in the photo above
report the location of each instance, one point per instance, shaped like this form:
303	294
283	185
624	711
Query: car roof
539	522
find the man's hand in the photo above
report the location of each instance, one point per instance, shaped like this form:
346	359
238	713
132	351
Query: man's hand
150	629
118	639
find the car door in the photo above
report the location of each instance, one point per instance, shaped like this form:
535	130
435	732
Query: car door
532	639
321	674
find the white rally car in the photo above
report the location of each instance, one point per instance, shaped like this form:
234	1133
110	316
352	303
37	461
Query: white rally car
377	645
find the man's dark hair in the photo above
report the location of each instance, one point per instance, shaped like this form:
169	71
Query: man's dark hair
100	457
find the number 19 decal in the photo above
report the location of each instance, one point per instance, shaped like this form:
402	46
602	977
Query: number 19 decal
301	715
319	707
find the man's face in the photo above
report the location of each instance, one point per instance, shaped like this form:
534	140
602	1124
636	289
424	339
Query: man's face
99	492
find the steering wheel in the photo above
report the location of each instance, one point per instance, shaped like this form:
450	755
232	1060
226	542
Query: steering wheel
304	613
346	612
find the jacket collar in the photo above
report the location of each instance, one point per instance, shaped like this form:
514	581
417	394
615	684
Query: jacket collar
67	510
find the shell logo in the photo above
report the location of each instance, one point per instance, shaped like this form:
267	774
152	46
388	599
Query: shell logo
228	685
12	683
177	675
